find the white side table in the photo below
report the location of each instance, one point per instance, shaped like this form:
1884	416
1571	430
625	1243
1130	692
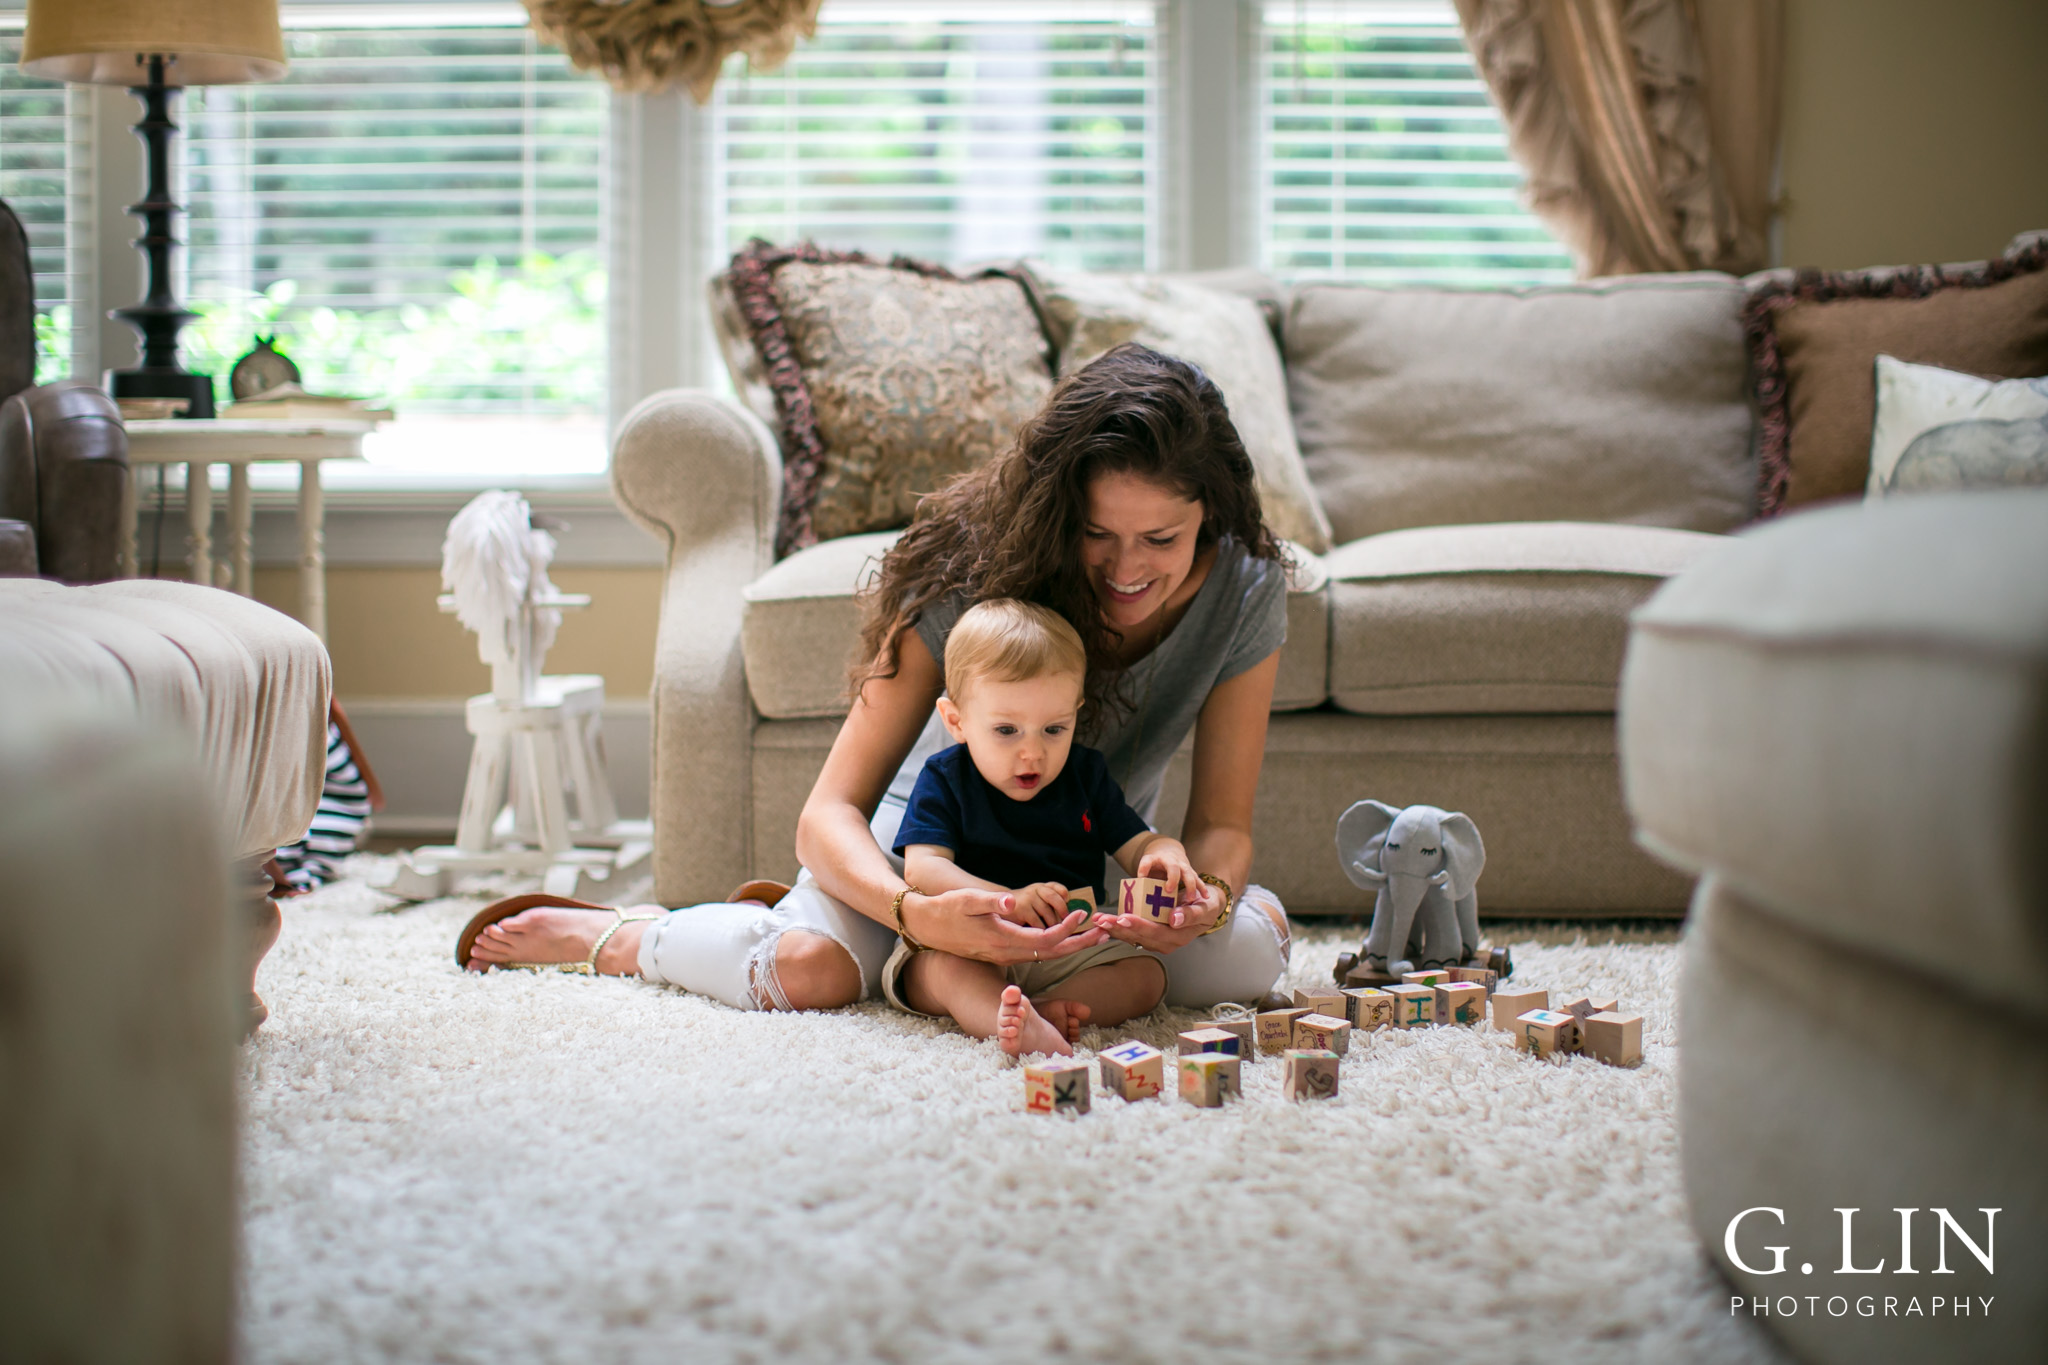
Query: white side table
200	444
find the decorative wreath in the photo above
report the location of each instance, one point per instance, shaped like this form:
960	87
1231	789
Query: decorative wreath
657	44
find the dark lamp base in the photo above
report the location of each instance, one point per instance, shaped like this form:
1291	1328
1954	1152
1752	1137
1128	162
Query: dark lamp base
148	383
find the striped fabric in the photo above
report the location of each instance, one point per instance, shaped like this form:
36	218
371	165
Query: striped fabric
337	827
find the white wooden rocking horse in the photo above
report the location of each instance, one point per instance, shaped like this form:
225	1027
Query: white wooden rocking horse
539	742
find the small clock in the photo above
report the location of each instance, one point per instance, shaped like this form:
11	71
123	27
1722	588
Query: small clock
261	370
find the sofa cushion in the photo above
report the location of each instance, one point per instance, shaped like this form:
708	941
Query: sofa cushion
1614	400
887	379
1937	428
1815	335
800	629
1214	322
1492	619
1845	716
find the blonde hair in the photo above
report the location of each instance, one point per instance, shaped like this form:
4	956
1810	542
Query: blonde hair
1011	641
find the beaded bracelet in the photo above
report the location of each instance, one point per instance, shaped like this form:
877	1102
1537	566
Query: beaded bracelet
896	909
1229	902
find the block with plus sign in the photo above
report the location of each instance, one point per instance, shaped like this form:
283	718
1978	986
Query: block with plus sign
1133	1070
1147	898
1056	1085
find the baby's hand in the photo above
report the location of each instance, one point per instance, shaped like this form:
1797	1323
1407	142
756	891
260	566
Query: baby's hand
1168	861
1040	905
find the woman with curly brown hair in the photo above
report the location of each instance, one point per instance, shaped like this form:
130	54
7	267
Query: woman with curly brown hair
1128	506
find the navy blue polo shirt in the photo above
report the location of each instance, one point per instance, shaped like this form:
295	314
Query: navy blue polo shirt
1060	835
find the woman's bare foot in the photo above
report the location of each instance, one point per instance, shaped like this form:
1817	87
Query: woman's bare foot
558	933
1020	1028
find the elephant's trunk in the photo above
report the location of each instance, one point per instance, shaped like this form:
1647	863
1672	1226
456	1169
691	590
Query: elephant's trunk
1393	918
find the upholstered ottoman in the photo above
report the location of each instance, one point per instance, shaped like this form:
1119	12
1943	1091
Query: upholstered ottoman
1841	721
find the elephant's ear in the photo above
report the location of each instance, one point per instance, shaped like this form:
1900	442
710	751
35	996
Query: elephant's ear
1360	832
1464	854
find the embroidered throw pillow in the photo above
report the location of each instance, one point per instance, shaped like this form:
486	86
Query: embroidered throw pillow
1815	336
1222	330
1939	429
887	380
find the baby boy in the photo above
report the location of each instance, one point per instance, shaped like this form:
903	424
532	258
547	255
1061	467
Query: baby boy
1015	805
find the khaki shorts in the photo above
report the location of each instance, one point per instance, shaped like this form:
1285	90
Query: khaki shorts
1035	979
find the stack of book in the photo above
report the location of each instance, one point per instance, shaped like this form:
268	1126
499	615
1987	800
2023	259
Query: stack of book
290	403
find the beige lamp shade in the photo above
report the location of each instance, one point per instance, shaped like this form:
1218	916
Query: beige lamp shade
215	42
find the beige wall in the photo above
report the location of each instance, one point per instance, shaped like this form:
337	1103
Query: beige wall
389	640
1915	130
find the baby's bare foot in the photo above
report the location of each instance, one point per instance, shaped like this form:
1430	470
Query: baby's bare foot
1021	1029
1065	1015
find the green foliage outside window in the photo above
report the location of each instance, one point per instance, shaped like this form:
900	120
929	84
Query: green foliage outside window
531	334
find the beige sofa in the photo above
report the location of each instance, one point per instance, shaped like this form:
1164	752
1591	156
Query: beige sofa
1506	475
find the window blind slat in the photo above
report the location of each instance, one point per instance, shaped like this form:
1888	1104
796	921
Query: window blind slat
414	212
937	132
1383	157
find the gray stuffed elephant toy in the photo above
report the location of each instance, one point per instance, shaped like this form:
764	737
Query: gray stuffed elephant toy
1421	864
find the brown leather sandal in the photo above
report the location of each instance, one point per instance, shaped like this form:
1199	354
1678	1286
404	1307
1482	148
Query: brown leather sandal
512	905
764	891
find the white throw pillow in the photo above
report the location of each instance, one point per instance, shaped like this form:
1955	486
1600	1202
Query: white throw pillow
1224	334
1937	428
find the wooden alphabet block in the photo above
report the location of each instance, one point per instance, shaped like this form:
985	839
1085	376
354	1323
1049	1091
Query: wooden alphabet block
1512	1002
1247	1035
1081	898
1146	898
1414	1006
1485	977
1311	1074
1134	1071
1606	1005
1368	1009
1579	1007
1616	1039
1209	1078
1207	1039
1460	1002
1276	1029
1546	1031
1432	977
1325	1032
1329	1002
1056	1084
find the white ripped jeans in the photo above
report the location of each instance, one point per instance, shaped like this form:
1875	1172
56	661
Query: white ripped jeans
727	951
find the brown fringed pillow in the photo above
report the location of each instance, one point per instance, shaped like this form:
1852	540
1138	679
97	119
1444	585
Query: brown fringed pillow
1814	337
887	379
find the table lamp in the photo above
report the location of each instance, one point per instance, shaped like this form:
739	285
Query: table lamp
155	47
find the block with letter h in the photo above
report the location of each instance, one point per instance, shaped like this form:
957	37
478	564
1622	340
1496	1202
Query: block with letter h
1134	1071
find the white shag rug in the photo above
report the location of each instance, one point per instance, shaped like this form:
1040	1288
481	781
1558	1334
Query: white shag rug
444	1167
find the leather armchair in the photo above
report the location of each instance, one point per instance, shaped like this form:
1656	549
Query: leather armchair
63	450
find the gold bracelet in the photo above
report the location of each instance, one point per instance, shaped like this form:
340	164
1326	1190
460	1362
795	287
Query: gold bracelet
896	909
1229	902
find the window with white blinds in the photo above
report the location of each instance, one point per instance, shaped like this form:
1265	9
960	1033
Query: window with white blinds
42	157
1382	157
414	211
950	132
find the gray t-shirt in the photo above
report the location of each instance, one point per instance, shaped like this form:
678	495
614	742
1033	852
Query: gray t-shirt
1238	617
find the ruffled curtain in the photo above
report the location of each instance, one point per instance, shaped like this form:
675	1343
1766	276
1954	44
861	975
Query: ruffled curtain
1647	128
648	45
